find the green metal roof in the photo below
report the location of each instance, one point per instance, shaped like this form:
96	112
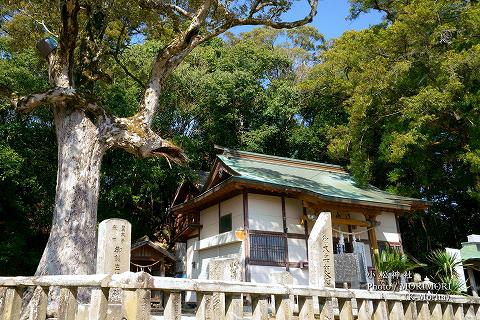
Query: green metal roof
470	251
321	179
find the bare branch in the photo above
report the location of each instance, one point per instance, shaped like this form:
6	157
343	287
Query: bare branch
181	11
56	95
42	23
168	59
250	20
168	7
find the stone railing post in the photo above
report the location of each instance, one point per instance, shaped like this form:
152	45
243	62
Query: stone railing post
12	303
136	296
345	309
458	312
410	310
233	306
99	304
283	307
38	307
305	308
395	310
259	307
380	310
173	307
364	309
67	308
423	312
204	306
326	308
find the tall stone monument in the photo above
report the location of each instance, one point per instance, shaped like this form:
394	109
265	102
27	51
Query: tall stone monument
320	250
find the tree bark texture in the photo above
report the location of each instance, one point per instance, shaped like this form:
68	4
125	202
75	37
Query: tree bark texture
71	247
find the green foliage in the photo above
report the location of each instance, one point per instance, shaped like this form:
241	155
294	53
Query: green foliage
391	260
444	264
408	93
442	269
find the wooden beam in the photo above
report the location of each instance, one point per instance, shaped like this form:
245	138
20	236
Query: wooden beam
351	222
246	241
285	231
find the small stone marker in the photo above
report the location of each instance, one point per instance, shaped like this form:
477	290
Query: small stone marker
113	256
320	249
113	250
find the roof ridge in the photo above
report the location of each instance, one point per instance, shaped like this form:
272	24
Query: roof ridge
281	160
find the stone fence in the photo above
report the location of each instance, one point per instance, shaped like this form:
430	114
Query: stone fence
223	300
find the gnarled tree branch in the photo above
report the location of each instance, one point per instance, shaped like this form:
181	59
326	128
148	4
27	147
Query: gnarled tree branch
134	136
57	95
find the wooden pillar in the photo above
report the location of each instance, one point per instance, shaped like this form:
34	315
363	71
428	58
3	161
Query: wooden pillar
246	241
372	236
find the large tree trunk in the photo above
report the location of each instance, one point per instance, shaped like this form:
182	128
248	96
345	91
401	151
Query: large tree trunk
71	247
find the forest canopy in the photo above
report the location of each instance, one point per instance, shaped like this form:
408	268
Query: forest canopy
397	104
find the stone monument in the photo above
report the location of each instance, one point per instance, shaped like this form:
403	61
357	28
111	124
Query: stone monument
113	257
320	249
113	250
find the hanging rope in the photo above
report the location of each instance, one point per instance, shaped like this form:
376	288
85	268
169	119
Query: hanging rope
149	267
353	233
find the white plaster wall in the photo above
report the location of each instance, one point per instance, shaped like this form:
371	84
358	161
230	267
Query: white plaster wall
235	207
261	274
297	250
192	256
265	212
209	221
294	213
387	230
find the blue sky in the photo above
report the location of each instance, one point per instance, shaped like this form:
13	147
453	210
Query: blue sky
331	17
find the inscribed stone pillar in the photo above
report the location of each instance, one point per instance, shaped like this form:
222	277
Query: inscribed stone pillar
225	269
113	250
320	250
113	256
